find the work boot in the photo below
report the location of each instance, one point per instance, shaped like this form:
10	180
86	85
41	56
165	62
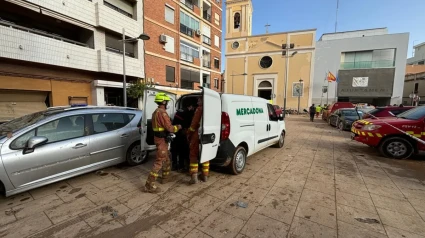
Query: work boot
194	179
165	180
204	178
152	188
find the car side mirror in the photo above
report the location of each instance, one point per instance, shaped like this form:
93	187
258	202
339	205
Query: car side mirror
280	117
34	142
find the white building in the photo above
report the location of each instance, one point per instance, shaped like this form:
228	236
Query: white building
373	56
58	52
418	55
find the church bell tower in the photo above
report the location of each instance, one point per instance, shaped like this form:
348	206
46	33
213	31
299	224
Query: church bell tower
238	18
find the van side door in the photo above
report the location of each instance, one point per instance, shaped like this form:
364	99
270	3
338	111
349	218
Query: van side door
261	124
211	124
274	132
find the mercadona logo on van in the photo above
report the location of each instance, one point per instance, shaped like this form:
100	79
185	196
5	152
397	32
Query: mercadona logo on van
248	111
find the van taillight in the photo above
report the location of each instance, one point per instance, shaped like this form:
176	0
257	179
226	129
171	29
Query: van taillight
225	126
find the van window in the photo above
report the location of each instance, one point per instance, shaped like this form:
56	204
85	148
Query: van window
272	113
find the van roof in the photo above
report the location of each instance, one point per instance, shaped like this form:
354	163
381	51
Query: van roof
250	98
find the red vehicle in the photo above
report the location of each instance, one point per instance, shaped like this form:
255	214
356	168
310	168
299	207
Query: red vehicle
278	110
395	137
386	111
335	106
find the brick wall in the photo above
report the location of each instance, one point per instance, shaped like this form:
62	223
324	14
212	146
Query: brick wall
156	69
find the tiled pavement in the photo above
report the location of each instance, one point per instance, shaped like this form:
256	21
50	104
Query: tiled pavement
320	184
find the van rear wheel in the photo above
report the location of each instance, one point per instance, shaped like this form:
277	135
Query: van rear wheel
281	141
239	161
396	148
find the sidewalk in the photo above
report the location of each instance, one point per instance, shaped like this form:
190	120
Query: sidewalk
320	184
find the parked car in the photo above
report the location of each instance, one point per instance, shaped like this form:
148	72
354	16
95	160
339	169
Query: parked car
237	126
63	142
278	110
343	118
333	107
395	137
386	111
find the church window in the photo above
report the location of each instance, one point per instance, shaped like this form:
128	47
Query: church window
266	62
237	20
235	45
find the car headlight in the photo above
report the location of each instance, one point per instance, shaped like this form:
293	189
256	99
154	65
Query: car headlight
370	127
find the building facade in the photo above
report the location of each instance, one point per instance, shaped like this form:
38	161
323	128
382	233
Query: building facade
185	47
418	55
55	53
369	64
414	85
255	65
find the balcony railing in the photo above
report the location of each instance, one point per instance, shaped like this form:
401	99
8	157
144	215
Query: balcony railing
119	51
206	40
186	57
206	64
41	33
368	64
207	16
187	4
186	30
117	9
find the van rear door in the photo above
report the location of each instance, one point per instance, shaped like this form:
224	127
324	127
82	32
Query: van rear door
211	124
149	106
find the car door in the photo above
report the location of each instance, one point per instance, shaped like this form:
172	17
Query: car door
211	124
149	106
111	132
261	124
273	132
334	117
66	152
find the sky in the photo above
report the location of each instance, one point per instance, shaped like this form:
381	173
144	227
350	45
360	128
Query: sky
398	16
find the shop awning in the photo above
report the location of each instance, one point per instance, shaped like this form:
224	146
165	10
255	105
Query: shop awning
16	103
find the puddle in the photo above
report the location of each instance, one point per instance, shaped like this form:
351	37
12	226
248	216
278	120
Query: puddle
74	190
80	195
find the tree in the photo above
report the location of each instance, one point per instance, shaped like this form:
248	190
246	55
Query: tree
137	89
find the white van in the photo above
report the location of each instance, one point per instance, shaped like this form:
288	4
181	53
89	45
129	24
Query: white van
233	126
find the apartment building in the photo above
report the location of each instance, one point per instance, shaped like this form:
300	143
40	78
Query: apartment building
185	47
418	57
62	52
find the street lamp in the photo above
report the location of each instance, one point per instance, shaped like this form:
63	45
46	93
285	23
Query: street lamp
299	89
233	74
134	39
285	53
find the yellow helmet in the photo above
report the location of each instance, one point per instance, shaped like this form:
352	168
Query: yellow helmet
160	97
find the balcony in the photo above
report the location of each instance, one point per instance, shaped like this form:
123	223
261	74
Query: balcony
111	62
206	39
111	19
117	9
37	46
207	16
186	30
206	64
110	49
186	57
368	64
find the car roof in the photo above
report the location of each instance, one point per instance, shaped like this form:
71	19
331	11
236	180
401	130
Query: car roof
74	108
396	107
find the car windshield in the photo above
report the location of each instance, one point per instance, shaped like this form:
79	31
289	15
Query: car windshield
413	114
22	122
351	113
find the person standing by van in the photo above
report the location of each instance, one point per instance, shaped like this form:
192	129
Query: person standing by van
161	125
193	138
180	145
312	111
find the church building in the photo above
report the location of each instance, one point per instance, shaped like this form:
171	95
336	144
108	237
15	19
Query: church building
256	66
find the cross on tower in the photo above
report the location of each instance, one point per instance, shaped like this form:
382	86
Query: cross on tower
267	28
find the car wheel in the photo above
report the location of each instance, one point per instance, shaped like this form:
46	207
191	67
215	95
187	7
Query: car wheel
239	161
396	148
281	141
135	155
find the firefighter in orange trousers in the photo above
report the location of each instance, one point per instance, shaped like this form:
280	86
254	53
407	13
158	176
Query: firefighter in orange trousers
161	125
193	138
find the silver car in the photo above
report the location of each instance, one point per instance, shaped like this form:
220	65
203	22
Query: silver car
63	142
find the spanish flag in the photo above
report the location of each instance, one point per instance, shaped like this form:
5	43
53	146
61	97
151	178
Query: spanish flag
331	77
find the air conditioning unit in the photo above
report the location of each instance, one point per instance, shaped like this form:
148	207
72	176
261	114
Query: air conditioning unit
163	38
198	32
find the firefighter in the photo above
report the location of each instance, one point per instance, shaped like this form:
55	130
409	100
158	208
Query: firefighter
180	145
193	138
161	125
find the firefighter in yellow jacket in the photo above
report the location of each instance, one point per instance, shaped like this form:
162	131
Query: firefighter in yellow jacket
193	138
161	125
